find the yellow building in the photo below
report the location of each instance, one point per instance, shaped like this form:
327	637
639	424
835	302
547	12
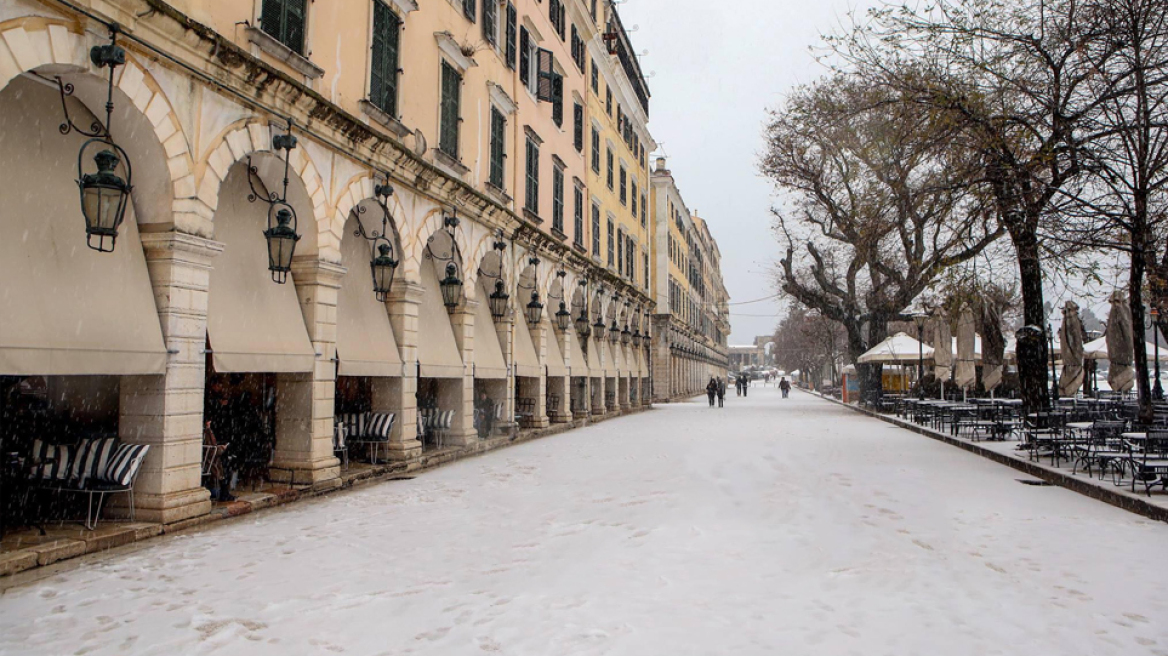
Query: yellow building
277	146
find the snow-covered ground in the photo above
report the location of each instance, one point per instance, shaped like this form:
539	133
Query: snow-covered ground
772	526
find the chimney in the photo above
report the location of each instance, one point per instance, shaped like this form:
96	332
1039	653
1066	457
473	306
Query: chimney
661	164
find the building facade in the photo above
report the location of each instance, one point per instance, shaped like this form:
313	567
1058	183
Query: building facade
692	306
282	151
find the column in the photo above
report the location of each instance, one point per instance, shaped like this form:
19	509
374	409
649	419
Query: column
166	411
540	332
304	402
403	303
462	319
505	332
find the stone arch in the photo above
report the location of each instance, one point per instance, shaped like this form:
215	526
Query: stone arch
59	47
432	223
358	192
251	136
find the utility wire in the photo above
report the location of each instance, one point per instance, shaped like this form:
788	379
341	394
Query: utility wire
757	300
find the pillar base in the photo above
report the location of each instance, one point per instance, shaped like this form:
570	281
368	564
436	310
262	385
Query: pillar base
465	438
403	451
161	508
319	474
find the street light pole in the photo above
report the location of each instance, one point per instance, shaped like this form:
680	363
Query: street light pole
1054	389
920	321
1157	388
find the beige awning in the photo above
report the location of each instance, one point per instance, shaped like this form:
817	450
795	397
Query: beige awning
365	341
253	323
594	368
555	357
437	351
526	360
488	355
579	366
66	309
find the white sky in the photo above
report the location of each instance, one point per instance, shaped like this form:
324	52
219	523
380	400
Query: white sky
718	67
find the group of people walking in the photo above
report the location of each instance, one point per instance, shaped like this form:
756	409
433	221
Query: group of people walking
716	389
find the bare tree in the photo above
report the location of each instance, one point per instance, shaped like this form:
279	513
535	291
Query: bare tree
807	341
878	205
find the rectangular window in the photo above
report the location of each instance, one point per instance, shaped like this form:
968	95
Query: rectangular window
579	51
608	157
558	199
608	100
595	230
644	210
620	252
554	14
578	127
498	146
490	21
512	23
450	110
531	200
633	195
578	216
611	243
558	100
645	259
624	187
630	254
383	71
468	8
595	78
283	20
595	150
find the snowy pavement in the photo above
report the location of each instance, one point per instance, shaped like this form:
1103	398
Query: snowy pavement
786	527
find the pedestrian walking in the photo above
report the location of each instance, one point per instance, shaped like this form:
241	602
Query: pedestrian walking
721	393
785	386
745	385
712	390
738	385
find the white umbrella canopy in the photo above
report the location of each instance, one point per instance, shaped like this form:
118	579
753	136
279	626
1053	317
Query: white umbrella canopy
898	349
1097	350
1011	352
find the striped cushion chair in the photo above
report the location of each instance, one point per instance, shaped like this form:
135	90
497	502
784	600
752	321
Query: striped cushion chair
378	426
121	471
92	459
51	462
354	423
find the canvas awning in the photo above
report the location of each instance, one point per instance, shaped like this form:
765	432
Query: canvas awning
555	357
69	310
579	361
526	360
488	355
254	325
438	354
365	341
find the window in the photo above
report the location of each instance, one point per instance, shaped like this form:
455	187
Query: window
524	57
578	127
384	64
630	254
644	210
645	259
468	8
595	150
578	215
608	157
558	99
620	252
595	78
491	22
624	186
531	201
558	199
608	100
611	242
579	50
498	145
558	17
633	182
450	111
512	22
283	20
595	230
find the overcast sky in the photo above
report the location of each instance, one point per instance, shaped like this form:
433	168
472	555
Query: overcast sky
716	68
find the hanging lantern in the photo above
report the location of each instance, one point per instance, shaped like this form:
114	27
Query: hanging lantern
282	240
498	301
534	309
582	327
564	318
598	328
451	287
637	338
626	336
383	267
614	333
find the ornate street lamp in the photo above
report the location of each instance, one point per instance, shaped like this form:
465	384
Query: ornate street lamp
534	309
281	232
564	318
104	194
637	338
383	264
598	328
498	301
582	327
451	284
614	333
626	335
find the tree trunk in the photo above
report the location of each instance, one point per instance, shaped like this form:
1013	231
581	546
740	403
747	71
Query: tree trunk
1139	263
1032	354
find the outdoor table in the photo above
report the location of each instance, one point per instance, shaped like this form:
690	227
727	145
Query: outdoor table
1135	437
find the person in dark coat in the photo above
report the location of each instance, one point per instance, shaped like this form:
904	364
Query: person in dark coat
721	393
785	386
711	390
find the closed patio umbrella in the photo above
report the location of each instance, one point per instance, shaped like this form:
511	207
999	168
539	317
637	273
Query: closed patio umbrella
1071	338
993	351
1120	344
942	341
965	374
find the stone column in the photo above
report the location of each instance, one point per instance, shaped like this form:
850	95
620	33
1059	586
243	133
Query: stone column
304	402
505	332
462	319
540	332
166	411
404	301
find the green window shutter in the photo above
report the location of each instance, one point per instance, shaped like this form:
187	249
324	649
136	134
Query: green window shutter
524	57
558	199
595	150
512	23
490	22
498	127
531	200
596	231
294	25
558	99
384	69
545	67
578	127
468	8
450	110
578	216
